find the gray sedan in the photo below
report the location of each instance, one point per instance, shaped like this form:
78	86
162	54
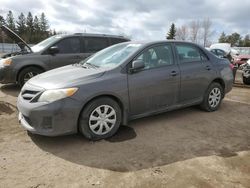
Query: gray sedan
120	83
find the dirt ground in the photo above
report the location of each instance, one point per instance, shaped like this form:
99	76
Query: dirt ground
183	148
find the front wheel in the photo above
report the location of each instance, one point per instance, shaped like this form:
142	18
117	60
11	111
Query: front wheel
100	119
28	73
213	97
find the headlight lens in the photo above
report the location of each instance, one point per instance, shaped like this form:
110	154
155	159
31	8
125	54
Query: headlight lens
56	94
7	62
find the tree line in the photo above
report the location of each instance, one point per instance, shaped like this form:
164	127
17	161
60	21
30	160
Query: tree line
235	39
201	32
32	29
196	31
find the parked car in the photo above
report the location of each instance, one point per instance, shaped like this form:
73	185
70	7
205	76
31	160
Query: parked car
56	51
223	54
120	83
246	72
242	58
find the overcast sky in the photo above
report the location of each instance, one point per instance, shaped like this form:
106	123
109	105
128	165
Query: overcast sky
145	19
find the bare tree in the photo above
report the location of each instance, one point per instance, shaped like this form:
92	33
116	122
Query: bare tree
182	33
194	30
207	33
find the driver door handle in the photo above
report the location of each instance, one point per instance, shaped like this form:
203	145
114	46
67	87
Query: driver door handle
208	67
173	73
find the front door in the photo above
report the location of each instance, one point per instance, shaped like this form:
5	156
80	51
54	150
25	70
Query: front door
69	52
156	86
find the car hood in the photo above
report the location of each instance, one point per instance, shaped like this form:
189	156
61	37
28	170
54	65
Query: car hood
67	76
18	40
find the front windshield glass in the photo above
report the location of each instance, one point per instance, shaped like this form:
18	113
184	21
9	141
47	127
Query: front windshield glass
112	56
43	44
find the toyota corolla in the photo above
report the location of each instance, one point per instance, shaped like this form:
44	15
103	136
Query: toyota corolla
120	83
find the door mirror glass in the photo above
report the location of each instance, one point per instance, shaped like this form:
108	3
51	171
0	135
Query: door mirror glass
53	50
137	65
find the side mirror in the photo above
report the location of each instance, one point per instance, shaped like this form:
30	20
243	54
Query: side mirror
53	50
137	65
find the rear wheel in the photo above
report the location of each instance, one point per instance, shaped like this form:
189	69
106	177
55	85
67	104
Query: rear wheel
213	97
28	73
246	80
100	119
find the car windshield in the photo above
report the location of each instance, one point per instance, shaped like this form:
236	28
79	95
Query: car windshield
43	44
112	56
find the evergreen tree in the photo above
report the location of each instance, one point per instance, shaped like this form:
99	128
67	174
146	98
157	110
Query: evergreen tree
223	38
44	26
37	30
10	21
234	39
21	25
2	20
30	27
246	41
172	32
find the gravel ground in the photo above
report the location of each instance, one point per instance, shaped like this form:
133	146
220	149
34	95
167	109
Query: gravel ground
183	148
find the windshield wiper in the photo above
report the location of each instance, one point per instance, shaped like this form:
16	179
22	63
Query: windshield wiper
91	65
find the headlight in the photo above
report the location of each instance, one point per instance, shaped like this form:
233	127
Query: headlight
7	62
56	94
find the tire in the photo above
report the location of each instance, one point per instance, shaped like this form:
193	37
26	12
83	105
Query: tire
210	102
94	129
246	80
28	73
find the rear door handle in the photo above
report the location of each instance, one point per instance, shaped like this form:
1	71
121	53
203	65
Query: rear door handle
173	73
208	67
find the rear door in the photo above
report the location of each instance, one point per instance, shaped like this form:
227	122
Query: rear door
156	86
196	72
69	52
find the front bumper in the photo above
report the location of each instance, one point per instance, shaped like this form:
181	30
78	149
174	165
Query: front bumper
6	75
49	119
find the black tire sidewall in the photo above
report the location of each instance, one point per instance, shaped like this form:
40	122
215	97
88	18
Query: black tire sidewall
25	71
85	114
205	105
246	80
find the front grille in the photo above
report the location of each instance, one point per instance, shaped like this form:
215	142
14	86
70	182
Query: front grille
29	94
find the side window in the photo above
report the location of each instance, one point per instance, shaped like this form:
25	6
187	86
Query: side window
157	56
117	40
220	53
94	44
188	53
69	45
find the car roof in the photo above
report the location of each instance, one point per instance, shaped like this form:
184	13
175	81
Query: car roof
150	42
94	35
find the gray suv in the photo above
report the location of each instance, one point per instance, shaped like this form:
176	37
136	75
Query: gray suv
120	83
54	52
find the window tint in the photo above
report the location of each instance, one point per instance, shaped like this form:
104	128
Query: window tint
157	56
189	53
117	40
69	45
94	44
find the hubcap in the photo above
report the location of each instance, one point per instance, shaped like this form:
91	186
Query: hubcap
214	97
102	119
29	75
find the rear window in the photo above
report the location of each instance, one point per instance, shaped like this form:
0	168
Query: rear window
94	44
188	53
